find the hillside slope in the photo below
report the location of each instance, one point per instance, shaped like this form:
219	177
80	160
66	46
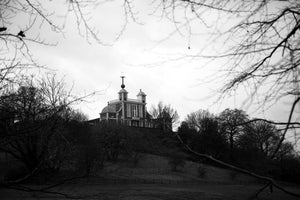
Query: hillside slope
157	169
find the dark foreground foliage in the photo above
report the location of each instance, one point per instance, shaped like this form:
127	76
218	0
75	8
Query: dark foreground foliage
232	137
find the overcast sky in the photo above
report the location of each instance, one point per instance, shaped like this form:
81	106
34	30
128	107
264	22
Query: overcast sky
147	54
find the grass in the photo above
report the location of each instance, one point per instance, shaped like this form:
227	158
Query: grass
153	179
158	169
153	192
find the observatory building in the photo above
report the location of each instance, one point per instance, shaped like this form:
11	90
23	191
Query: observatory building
130	112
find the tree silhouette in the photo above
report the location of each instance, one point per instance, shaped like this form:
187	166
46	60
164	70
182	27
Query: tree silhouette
259	136
165	116
229	121
204	133
32	122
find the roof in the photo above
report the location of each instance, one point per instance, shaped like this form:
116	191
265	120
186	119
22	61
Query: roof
141	93
123	91
108	109
115	101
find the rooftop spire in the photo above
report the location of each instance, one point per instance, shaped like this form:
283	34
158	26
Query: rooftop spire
122	86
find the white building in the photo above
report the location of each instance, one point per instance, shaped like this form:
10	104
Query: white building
131	112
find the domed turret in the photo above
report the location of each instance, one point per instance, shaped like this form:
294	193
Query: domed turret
141	96
123	93
108	109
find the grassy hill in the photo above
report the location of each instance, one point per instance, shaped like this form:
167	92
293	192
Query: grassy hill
157	169
153	178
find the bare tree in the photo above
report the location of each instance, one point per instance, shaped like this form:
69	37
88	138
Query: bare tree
32	122
195	119
259	136
166	117
229	121
208	138
260	46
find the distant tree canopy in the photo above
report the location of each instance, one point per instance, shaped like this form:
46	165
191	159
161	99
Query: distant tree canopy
232	136
201	131
259	137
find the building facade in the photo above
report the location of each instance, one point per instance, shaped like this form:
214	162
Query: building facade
130	112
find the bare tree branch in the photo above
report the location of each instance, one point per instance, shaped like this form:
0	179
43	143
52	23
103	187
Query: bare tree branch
270	181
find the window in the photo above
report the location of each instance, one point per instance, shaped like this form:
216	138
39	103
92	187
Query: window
141	110
128	109
134	110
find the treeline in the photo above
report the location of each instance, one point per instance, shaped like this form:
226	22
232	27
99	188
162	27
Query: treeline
233	137
42	135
